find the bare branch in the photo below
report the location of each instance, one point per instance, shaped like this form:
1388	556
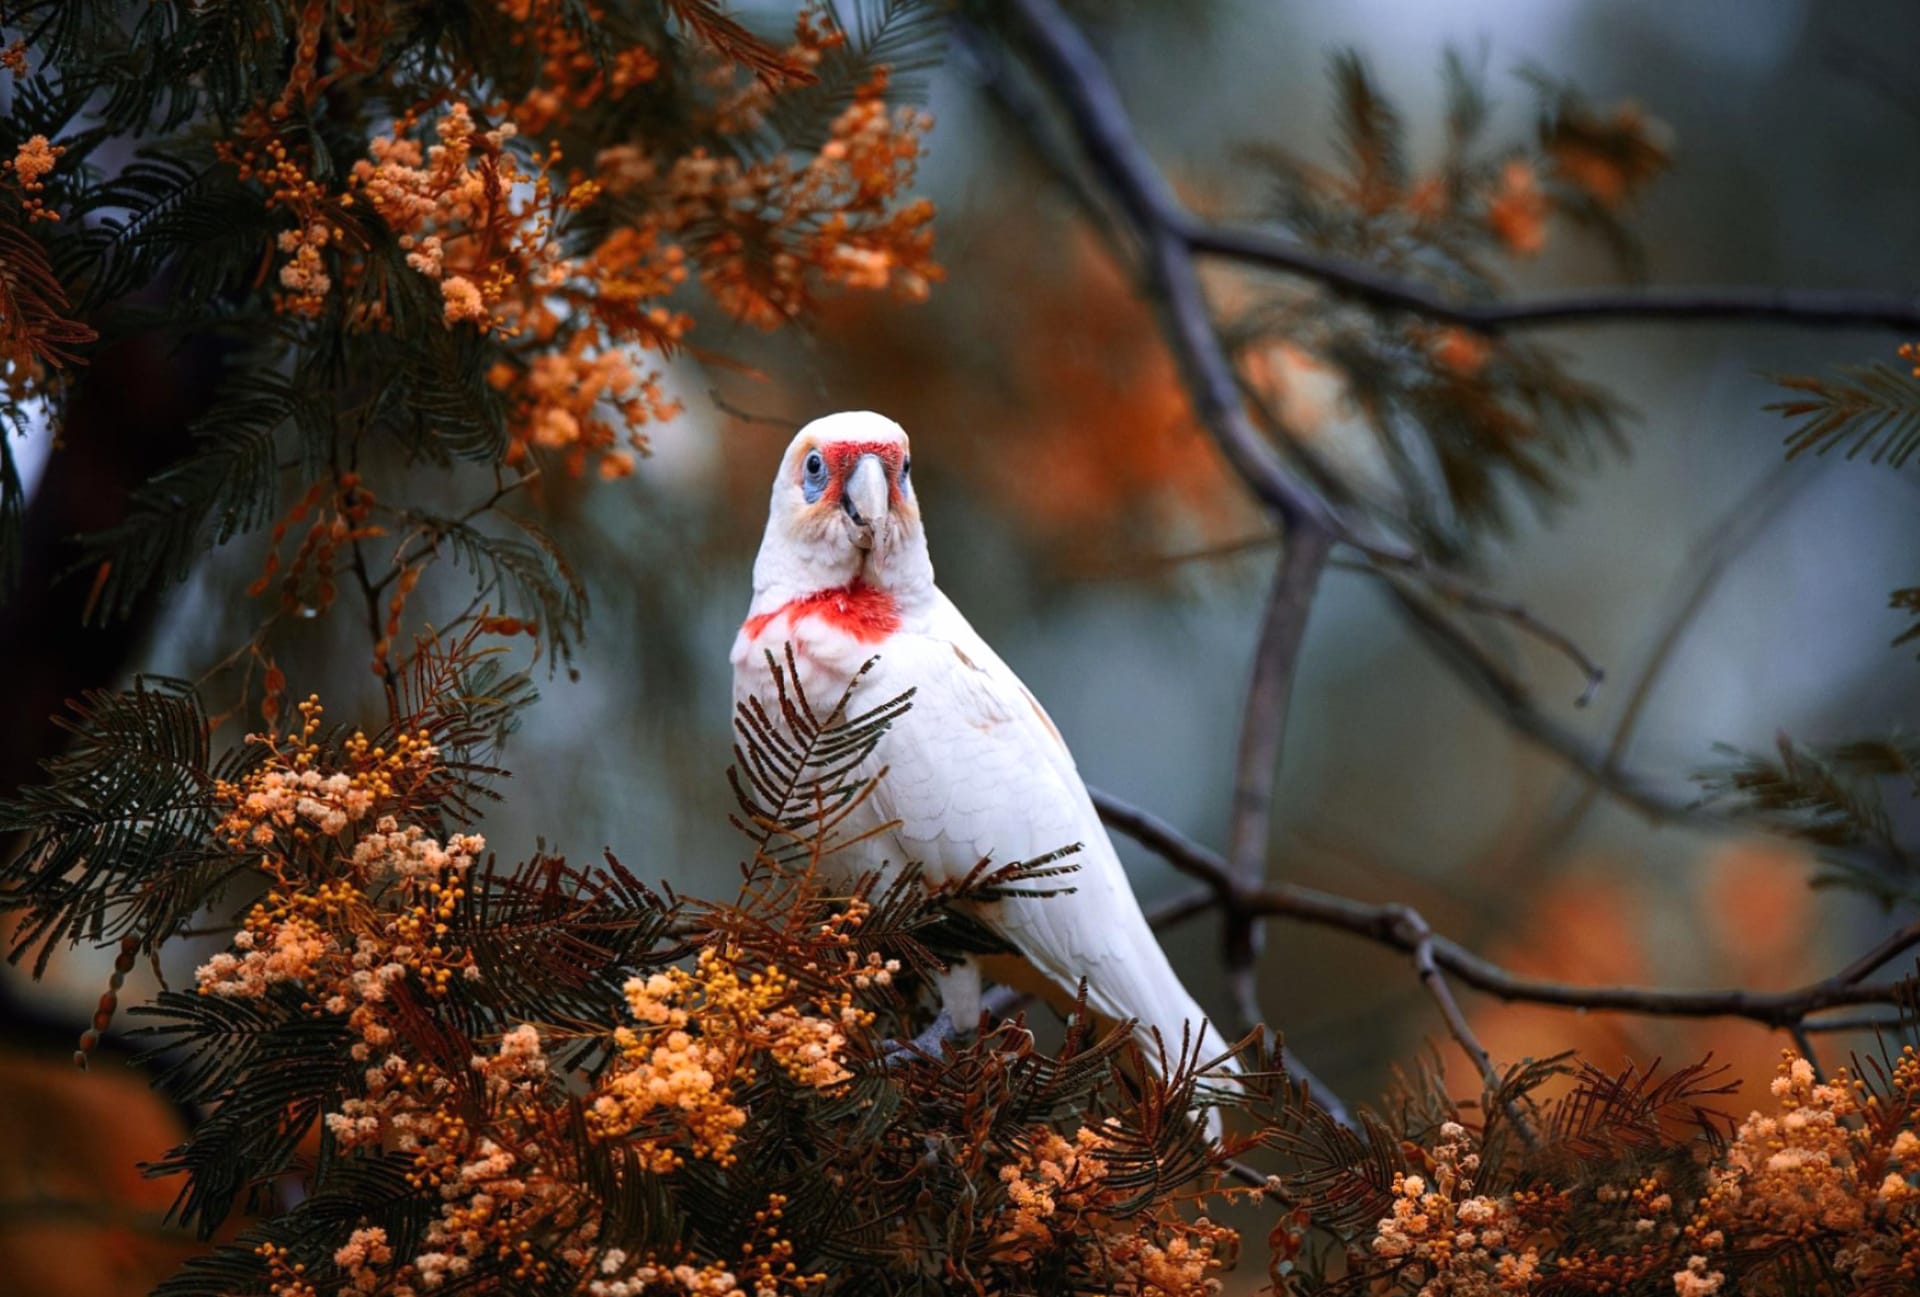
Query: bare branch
1868	1021
1168	239
1512	701
1896	944
1388	925
1804	308
1516	614
1105	135
1263	729
1427	967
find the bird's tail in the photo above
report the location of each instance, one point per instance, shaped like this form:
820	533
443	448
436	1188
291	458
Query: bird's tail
1132	979
1174	1032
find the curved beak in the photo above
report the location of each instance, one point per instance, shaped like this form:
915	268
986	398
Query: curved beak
864	497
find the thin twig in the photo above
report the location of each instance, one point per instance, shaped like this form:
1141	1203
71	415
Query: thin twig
1245	1174
1516	614
1890	949
742	415
1729	537
436	530
1843	1022
1414	928
1515	705
1457	651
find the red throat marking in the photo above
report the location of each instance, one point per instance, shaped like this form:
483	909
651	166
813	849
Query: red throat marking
857	610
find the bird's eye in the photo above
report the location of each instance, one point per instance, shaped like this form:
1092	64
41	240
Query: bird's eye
815	482
906	467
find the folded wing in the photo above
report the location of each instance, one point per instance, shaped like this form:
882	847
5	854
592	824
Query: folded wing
976	770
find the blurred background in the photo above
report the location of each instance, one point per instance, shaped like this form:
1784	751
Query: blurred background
1067	492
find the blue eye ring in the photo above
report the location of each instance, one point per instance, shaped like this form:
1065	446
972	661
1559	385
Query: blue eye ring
814	484
906	467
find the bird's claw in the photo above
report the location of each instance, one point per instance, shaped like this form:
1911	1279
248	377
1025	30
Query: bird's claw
893	1053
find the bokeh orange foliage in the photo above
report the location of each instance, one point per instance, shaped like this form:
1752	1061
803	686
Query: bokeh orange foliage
77	1216
1748	919
1064	408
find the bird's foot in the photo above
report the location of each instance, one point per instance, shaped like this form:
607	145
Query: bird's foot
893	1053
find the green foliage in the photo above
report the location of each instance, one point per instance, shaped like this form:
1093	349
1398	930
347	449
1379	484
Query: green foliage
184	218
1600	1130
468	703
198	145
262	1072
555	945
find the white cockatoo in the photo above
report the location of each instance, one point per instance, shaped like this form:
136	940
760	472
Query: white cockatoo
975	770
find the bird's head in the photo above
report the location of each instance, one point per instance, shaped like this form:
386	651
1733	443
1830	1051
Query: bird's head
843	509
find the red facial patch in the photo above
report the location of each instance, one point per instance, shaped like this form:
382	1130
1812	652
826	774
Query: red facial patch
841	456
857	610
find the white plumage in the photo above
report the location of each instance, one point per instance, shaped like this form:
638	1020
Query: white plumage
975	770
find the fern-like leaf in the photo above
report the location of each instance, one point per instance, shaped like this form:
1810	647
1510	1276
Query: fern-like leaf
1869	410
798	777
268	1070
714	27
1829	795
906	37
119	838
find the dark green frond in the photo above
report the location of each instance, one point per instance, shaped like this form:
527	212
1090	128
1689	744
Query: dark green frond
1907	601
709	22
529	578
1468	104
163	213
798	776
555	944
118	838
1829	795
268	1069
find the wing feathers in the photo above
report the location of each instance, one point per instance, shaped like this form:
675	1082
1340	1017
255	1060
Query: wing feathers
978	771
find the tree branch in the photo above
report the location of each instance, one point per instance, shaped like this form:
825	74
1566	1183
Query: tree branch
1105	135
1510	699
1263	730
1389	925
1169	238
1804	308
1426	966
